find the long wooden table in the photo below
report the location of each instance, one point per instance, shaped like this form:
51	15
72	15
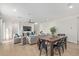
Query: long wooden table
52	40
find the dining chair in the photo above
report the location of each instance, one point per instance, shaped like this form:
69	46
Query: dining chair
62	44
42	46
65	42
58	46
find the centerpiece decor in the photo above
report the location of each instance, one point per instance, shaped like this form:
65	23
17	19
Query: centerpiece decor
53	31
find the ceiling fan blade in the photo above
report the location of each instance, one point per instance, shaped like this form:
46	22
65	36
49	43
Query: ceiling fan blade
30	21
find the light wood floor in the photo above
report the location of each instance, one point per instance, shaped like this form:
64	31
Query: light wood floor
10	49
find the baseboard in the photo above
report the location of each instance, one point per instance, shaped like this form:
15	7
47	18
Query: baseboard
71	42
78	42
7	41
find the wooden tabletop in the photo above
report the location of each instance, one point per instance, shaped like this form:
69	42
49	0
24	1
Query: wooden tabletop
49	38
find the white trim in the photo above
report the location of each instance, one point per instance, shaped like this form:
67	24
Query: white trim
7	41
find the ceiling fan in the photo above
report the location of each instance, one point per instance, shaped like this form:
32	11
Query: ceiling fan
30	21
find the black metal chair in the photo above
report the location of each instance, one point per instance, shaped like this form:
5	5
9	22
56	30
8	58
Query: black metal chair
65	42
42	45
62	44
58	46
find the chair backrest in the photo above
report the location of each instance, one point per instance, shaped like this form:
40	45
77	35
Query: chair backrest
42	43
61	34
59	42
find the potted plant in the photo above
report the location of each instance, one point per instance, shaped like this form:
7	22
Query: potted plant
53	31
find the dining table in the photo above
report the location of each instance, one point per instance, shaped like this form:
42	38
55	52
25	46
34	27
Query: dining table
52	39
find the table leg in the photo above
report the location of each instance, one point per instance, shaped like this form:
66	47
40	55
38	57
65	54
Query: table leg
65	43
52	50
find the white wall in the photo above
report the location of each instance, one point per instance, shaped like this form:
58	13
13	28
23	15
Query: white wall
15	29
4	31
0	30
69	27
46	26
65	25
7	30
37	28
78	27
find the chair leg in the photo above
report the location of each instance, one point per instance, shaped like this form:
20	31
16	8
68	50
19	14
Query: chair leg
46	51
59	51
65	43
40	51
63	49
39	47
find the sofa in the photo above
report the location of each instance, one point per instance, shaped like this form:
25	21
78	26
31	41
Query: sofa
17	40
33	39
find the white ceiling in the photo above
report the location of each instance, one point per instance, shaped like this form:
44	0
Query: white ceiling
38	11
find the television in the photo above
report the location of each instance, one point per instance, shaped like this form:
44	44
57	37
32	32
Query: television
26	28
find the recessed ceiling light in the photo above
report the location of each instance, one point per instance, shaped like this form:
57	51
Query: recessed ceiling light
35	23
70	6
14	10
